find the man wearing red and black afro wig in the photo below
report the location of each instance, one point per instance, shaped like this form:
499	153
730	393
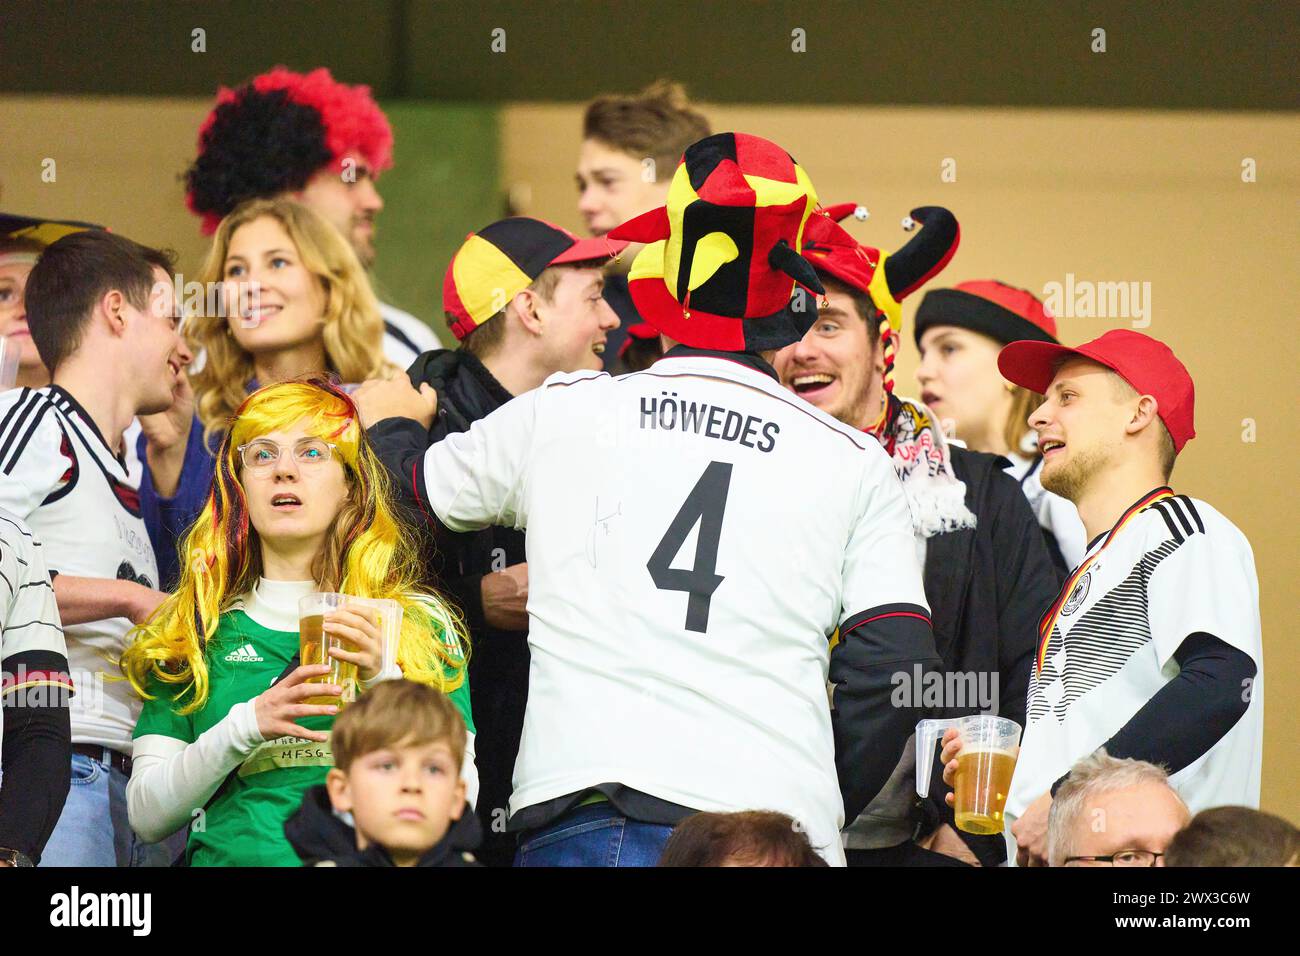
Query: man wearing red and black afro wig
316	140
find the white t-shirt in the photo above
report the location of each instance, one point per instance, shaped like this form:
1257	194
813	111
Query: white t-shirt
405	336
1056	515
1178	567
695	535
58	475
29	618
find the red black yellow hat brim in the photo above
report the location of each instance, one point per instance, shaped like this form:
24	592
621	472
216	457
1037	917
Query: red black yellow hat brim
498	262
699	328
43	231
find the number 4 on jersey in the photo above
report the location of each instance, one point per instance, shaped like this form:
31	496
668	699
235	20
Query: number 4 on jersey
705	504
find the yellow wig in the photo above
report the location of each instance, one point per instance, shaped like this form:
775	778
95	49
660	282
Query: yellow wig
367	553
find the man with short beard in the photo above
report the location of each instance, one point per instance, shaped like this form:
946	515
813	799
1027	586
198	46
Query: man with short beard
987	572
1152	649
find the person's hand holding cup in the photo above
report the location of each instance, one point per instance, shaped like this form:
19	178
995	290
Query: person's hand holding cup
978	771
279	707
359	627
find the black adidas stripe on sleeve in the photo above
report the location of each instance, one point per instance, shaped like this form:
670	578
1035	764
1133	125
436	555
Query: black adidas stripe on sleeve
1169	522
12	427
20	403
1179	514
27	437
1191	509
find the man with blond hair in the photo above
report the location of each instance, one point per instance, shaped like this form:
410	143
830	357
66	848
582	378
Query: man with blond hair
1153	647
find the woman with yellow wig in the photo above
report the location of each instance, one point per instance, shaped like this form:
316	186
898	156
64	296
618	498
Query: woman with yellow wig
294	300
299	504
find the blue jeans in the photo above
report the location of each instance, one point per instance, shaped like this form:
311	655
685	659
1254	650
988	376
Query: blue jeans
595	835
93	828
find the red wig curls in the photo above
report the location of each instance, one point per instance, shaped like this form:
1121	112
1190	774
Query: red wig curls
275	132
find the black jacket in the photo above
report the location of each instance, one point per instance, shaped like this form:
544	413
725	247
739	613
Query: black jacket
322	839
466	392
456	563
987	587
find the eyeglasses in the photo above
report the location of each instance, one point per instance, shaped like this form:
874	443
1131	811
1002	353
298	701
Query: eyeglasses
1122	858
261	454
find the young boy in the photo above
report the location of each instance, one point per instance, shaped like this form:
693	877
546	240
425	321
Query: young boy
397	759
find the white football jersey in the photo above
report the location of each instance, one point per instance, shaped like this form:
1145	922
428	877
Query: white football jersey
695	534
1176	568
58	475
31	636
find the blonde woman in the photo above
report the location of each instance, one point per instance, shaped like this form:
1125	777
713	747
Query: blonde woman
294	301
300	504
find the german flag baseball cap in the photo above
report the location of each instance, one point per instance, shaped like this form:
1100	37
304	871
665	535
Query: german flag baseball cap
988	306
1147	364
722	257
43	231
501	260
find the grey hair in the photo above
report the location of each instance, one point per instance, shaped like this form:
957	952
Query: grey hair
1096	773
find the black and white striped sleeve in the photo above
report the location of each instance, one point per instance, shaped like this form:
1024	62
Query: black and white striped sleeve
34	689
35	461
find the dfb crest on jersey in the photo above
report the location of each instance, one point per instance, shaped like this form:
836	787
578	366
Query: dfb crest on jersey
1078	594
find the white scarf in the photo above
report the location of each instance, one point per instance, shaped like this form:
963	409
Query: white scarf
919	451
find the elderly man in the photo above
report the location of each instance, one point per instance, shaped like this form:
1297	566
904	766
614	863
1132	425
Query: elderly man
1113	812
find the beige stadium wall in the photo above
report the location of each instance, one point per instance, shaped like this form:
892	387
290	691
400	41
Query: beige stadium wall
1153	198
116	161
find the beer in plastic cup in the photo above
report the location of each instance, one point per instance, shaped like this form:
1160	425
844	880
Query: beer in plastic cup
314	645
985	764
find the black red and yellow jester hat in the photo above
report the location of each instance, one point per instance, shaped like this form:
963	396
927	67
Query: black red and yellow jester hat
723	255
834	251
887	278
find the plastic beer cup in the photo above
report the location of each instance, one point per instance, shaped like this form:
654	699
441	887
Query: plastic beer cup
985	763
314	644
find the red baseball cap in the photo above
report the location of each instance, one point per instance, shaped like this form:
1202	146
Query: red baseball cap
1147	364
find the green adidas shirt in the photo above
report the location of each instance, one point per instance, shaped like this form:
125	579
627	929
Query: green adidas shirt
244	824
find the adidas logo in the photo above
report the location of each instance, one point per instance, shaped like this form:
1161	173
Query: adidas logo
245	655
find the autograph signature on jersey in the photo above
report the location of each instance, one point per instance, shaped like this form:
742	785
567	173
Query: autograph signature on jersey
599	528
